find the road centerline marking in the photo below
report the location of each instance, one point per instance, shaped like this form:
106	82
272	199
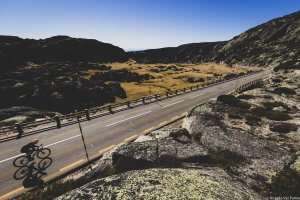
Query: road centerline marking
173	104
197	95
10	158
128	118
62	140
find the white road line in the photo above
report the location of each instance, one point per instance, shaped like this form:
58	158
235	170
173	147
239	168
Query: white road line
62	140
196	96
173	104
7	159
128	118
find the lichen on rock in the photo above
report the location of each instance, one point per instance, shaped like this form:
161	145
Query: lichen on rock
209	183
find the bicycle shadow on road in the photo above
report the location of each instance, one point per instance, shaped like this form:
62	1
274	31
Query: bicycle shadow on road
33	167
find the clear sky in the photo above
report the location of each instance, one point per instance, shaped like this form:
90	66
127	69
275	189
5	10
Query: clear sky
139	24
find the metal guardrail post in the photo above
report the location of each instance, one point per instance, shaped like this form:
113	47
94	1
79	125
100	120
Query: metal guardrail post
110	109
143	100
128	104
20	130
58	124
87	114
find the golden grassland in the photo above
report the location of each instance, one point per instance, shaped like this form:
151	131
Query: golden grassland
170	79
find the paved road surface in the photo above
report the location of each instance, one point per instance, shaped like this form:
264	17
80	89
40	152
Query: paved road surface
66	145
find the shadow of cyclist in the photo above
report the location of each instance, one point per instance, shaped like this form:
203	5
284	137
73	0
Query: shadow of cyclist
32	166
32	178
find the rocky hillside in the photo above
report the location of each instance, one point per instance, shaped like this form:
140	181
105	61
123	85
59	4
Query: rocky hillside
270	43
15	51
50	75
197	52
240	146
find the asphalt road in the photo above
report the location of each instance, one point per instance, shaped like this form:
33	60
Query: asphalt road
66	144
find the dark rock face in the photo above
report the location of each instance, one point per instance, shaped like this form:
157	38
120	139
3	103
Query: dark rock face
15	51
57	86
270	43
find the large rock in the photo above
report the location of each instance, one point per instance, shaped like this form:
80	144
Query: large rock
253	158
209	183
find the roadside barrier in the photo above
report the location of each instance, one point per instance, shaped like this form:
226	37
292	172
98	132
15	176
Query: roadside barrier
20	130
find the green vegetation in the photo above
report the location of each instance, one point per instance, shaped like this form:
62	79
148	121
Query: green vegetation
233	101
277	115
274	104
51	191
286	183
234	116
284	90
227	159
270	114
246	96
252	120
283	127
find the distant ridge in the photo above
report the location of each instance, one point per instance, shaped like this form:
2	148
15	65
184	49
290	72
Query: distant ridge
15	51
270	43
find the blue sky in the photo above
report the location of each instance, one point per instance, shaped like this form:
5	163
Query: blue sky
139	24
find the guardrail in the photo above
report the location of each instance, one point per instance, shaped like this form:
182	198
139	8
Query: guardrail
19	130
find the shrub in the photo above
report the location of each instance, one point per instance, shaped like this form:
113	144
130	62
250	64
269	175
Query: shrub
233	101
234	116
271	105
226	159
284	90
259	111
283	127
252	120
291	64
286	183
277	115
246	96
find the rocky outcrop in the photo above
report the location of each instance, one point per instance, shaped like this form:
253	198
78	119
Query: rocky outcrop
271	43
215	141
15	51
209	183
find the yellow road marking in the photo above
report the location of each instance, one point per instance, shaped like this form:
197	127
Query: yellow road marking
148	130
174	118
106	149
71	165
163	123
7	195
130	138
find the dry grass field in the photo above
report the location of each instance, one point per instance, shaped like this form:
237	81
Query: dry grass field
170	77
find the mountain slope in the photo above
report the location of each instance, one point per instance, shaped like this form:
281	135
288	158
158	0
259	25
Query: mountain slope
270	43
15	51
